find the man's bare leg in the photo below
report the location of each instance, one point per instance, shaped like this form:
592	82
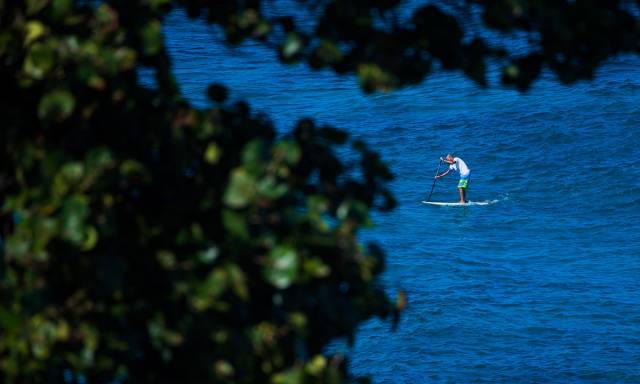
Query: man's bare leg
462	200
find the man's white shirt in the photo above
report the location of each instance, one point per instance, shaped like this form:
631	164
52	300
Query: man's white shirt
459	166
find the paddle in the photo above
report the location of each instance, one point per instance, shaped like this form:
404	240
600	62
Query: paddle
434	180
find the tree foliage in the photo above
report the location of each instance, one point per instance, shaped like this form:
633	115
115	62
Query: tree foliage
145	240
372	38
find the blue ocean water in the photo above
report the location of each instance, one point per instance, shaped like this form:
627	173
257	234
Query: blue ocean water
541	286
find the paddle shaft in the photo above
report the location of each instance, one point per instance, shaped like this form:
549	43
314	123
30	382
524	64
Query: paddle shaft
434	180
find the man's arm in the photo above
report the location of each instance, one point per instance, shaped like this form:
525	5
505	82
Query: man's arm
447	161
443	174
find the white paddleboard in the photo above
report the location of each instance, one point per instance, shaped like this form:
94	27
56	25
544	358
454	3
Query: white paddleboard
459	204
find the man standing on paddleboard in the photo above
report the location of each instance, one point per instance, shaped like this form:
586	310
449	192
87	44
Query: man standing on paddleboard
458	165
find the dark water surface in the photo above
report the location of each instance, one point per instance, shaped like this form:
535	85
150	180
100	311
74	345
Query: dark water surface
541	286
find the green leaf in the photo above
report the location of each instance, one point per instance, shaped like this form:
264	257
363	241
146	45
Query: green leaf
292	376
69	176
354	210
33	31
287	150
223	369
373	78
254	156
209	290
152	37
166	259
9	320
74	213
17	245
298	320
212	153
261	29
248	18
316	268
235	224
268	187
90	238
238	281
133	168
106	18
56	105
292	46
209	255
44	229
35	6
317	204
60	8
98	158
73	171
316	365
511	71
39	60
125	58
241	189
282	266
326	53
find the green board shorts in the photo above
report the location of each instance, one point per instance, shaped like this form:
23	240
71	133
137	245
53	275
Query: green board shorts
464	182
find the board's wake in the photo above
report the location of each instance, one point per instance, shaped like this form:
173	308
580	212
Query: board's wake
486	202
